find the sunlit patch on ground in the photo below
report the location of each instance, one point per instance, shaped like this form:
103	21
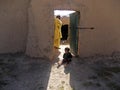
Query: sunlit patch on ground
58	79
97	72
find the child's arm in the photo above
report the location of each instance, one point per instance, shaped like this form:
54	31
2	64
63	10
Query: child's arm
70	55
64	55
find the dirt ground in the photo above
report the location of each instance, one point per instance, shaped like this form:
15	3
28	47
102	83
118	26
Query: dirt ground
98	72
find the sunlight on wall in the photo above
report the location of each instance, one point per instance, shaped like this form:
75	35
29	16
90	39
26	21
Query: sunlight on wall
63	12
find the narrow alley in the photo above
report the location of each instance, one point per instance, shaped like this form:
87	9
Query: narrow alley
59	79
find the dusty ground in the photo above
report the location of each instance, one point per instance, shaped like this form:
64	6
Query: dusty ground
98	72
20	72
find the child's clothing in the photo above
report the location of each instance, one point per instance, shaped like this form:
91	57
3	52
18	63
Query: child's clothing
67	58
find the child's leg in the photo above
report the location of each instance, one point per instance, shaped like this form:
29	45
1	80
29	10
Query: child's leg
59	63
68	61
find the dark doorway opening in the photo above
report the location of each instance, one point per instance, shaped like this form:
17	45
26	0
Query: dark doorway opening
64	31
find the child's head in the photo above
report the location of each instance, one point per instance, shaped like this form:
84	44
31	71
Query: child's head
67	49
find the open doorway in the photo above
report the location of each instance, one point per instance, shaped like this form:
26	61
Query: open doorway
70	21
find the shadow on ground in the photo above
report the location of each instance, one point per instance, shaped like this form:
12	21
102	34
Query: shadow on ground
20	72
98	72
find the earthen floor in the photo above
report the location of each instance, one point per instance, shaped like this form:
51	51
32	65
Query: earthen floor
98	72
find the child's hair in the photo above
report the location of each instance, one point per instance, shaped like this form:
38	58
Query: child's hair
67	49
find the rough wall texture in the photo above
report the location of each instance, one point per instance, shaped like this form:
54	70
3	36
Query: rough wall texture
104	16
14	14
40	37
41	26
65	20
13	25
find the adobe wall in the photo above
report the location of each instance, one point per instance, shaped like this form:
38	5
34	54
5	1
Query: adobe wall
41	26
40	35
103	16
16	19
13	25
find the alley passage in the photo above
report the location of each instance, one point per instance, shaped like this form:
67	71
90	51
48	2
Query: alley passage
97	72
59	79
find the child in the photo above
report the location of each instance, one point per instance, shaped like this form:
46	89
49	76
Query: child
66	57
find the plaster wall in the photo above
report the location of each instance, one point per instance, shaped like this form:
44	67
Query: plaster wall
65	20
103	16
40	35
13	25
41	26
